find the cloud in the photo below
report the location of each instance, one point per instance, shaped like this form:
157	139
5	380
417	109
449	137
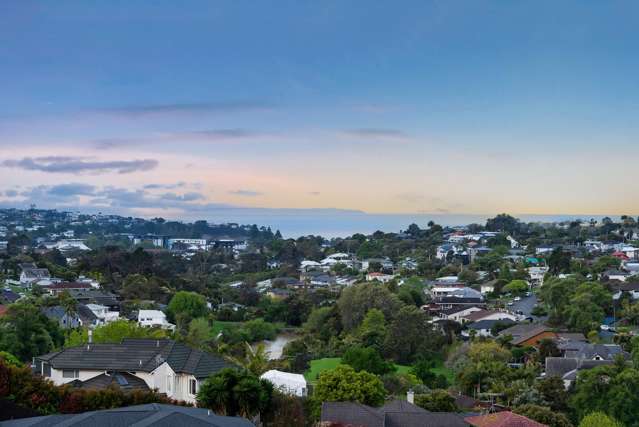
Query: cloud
187	197
377	133
314	193
11	193
165	186
79	165
205	135
136	111
246	193
72	189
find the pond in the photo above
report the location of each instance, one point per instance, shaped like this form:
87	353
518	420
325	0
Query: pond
276	347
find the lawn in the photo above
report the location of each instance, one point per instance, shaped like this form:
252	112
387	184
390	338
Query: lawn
321	365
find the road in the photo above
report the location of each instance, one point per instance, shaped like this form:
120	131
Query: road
525	306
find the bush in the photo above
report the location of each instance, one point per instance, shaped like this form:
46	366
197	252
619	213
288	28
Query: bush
367	359
31	391
436	401
544	415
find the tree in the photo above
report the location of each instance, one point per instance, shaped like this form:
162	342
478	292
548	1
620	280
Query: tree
436	401
516	287
410	335
423	370
372	331
599	419
367	359
255	359
559	261
503	222
233	392
113	332
25	332
544	415
553	391
356	301
186	303
343	384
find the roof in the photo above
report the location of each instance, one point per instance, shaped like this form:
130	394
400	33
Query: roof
478	315
489	323
560	366
590	351
502	419
69	285
280	377
36	273
396	413
9	295
137	355
123	380
153	414
524	331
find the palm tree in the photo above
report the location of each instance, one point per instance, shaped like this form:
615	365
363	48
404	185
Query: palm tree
255	359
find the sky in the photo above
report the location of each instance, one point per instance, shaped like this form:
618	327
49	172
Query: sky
181	108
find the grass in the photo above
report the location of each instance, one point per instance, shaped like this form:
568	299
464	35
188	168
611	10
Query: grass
320	365
219	326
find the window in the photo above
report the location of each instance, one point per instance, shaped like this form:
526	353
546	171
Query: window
193	386
70	373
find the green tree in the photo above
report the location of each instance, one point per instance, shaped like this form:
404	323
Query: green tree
187	303
367	359
255	359
516	287
372	332
410	335
436	401
343	384
113	332
599	419
355	301
25	332
544	415
232	392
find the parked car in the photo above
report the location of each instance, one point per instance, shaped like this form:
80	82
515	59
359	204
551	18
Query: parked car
517	298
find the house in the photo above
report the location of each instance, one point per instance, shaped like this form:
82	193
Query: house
65	319
619	289
483	328
150	414
95	296
170	367
154	319
190	244
380	277
537	275
308	265
286	382
61	287
394	413
615	275
32	274
488	287
338	258
488	315
9	296
587	351
103	314
530	334
446	303
567	368
457	313
502	419
385	263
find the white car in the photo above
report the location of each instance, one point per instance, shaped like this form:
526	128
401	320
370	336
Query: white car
511	303
517	298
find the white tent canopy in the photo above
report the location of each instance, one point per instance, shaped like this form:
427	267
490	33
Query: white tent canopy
286	382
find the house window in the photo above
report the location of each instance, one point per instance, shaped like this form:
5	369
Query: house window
70	373
193	386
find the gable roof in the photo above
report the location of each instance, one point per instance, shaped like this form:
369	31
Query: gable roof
396	413
489	323
502	419
137	355
152	414
123	380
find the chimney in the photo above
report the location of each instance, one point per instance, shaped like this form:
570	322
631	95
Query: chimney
410	396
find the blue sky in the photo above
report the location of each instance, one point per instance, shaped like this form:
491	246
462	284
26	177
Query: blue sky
462	107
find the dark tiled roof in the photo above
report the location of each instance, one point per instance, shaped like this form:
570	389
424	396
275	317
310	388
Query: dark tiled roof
351	413
9	295
153	414
137	355
489	324
559	366
397	413
123	380
459	300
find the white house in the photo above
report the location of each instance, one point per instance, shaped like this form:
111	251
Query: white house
192	244
154	318
380	277
165	365
537	274
286	382
103	313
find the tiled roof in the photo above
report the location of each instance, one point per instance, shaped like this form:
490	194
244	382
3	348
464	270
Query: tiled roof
393	414
137	355
502	419
153	414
